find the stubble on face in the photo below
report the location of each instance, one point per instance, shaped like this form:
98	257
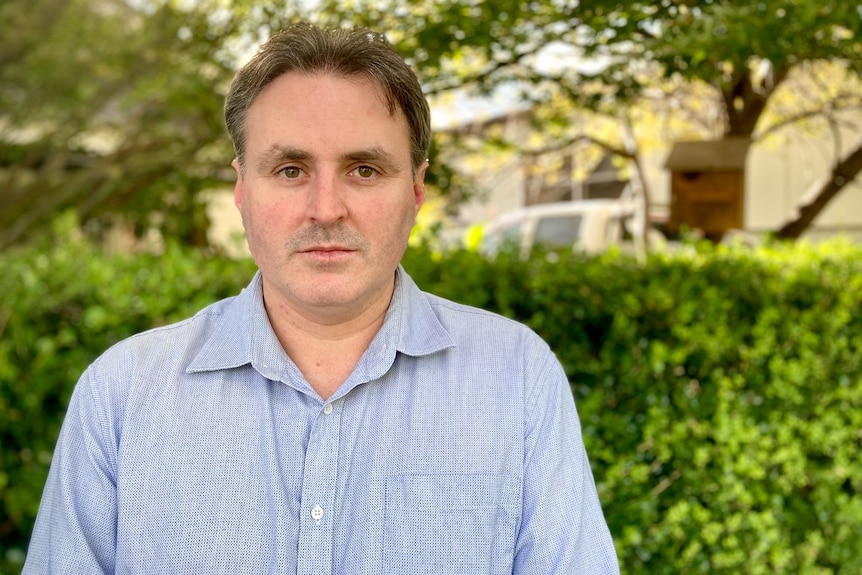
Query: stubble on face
317	235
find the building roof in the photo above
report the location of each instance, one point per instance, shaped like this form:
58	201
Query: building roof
708	156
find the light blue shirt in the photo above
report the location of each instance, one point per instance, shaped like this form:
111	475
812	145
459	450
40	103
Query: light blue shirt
454	447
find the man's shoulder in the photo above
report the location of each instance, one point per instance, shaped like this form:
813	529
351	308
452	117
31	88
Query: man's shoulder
490	347
448	307
469	321
173	340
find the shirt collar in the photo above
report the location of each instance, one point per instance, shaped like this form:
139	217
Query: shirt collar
421	332
242	333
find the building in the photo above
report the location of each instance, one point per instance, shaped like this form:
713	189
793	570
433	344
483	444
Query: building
777	175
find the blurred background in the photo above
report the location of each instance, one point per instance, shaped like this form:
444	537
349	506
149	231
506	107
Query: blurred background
730	122
713	115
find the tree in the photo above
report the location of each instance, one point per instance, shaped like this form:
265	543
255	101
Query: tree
115	113
743	54
113	110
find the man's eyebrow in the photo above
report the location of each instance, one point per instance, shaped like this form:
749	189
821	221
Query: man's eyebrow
375	154
276	155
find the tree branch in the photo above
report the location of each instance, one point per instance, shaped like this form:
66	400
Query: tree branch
790	121
569	142
820	194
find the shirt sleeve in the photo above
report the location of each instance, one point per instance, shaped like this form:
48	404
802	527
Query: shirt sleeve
75	529
563	529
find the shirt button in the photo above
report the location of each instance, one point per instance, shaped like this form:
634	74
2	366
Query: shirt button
317	512
327	409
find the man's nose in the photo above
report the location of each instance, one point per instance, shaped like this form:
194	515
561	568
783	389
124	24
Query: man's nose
326	202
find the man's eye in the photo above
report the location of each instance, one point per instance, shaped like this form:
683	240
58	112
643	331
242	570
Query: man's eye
290	172
366	171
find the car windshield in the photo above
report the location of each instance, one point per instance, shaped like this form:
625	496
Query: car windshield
559	230
504	236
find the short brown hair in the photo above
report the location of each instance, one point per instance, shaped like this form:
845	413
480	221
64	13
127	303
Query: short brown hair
309	49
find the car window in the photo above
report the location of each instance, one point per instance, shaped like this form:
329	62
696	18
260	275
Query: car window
560	230
503	236
510	233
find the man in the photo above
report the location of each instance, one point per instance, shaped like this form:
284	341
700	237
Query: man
332	418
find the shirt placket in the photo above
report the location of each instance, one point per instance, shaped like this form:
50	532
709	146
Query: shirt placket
317	518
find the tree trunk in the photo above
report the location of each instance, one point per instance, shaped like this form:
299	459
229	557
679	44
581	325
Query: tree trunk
820	194
744	102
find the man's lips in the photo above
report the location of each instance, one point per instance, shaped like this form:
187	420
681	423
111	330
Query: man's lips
326	249
327	255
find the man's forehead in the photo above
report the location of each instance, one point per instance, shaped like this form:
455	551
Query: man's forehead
286	95
360	79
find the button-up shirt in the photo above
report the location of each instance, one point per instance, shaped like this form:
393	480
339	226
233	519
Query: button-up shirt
454	447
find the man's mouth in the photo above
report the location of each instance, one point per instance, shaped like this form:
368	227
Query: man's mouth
326	249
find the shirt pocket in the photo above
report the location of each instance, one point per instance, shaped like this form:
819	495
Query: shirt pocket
450	524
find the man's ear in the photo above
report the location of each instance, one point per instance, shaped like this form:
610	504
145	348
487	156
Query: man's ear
237	189
419	187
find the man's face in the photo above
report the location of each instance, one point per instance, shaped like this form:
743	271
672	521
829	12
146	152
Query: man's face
327	195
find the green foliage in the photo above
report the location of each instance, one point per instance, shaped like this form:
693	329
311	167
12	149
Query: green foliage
715	40
486	43
114	109
720	389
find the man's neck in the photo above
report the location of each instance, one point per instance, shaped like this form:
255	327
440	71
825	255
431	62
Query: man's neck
326	346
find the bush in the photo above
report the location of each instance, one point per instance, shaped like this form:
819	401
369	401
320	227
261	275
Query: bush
720	389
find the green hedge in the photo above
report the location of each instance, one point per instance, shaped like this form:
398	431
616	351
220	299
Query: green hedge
720	389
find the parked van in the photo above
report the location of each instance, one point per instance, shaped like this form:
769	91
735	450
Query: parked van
591	226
